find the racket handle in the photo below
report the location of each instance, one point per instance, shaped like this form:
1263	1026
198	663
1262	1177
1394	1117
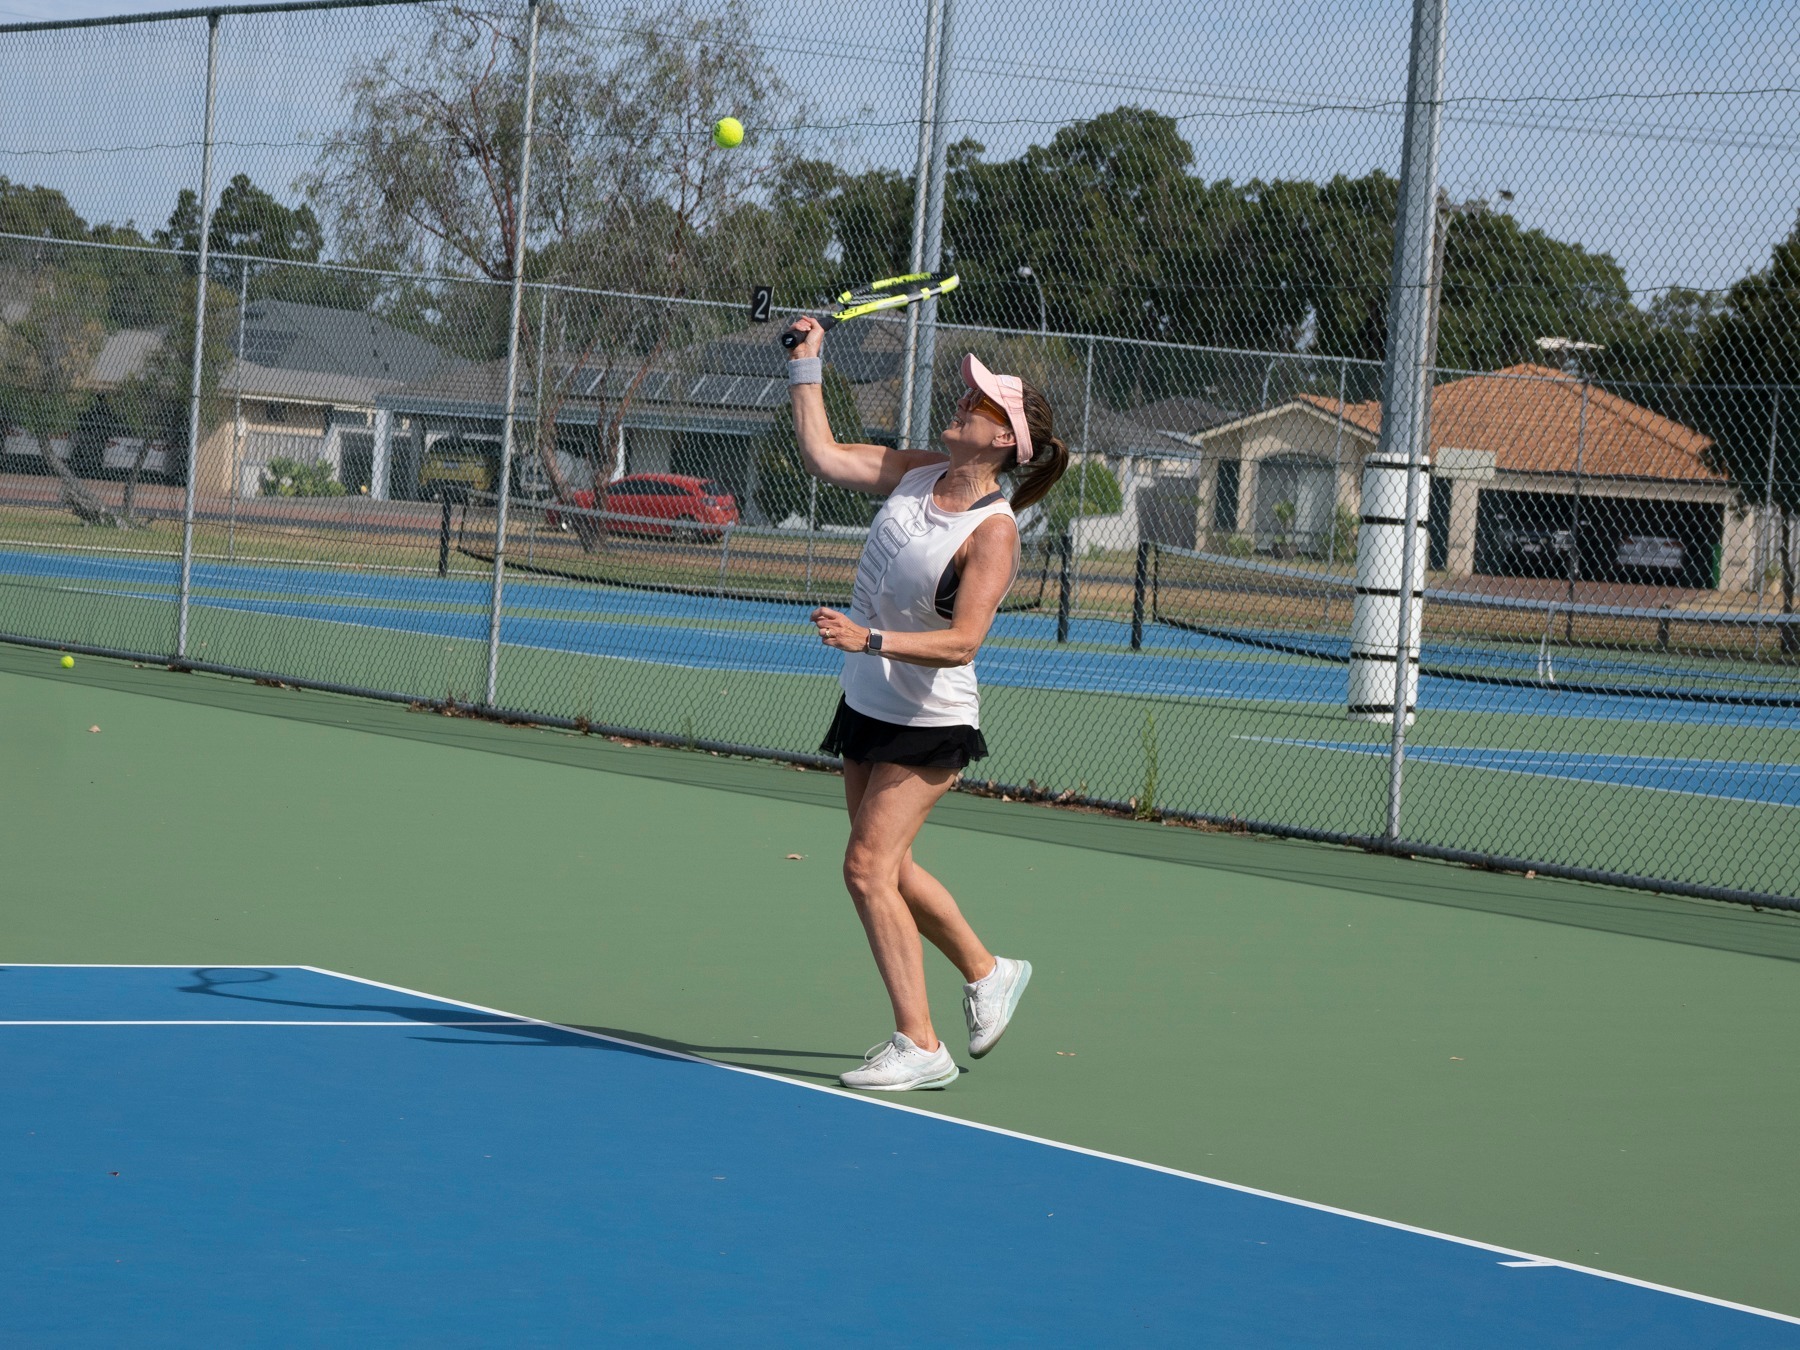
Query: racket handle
791	338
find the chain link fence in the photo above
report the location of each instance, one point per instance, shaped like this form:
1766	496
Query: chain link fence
257	387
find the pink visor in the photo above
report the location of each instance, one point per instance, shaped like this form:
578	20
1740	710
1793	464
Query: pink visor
1006	390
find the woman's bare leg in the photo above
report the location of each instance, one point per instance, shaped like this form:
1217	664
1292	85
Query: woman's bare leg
893	804
940	921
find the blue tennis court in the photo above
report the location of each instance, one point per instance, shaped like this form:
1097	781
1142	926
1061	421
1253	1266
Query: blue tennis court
1724	779
283	1155
713	633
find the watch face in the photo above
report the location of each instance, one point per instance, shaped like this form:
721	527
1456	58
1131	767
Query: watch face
874	641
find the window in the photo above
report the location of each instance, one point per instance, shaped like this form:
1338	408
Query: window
1225	496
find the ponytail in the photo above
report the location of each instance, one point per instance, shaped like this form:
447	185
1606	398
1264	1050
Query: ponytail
1049	456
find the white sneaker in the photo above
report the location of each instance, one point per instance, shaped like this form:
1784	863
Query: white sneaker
897	1065
988	1003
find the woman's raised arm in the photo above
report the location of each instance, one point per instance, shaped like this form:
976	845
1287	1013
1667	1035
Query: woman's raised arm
873	469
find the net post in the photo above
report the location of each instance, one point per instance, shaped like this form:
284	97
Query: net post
508	428
186	587
1065	548
724	559
1140	582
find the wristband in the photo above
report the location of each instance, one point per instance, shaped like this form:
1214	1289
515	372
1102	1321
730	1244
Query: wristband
806	370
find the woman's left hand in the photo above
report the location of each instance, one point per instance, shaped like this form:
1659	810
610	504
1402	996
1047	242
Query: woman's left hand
836	630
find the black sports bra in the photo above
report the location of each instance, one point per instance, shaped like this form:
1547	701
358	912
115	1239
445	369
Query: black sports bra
945	604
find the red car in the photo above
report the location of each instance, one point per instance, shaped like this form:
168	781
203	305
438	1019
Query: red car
661	503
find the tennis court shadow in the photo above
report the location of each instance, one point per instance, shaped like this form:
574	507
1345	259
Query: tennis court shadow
228	982
729	1054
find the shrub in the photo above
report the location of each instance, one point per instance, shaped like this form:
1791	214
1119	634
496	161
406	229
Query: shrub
284	477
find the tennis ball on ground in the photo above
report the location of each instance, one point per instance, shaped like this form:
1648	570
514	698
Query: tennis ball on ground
68	663
727	132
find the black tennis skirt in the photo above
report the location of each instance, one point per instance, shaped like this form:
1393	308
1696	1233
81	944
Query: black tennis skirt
868	740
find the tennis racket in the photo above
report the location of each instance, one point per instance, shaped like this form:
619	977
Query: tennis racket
888	293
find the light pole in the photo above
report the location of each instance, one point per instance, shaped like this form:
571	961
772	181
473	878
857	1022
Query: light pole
1043	312
1570	350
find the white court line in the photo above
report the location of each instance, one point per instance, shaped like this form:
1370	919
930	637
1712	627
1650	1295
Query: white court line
1522	1258
1422	756
246	1022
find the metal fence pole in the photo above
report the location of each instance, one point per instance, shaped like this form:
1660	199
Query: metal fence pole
1407	374
1765	540
503	490
1087	403
1574	568
237	410
193	447
1337	467
933	256
921	177
812	527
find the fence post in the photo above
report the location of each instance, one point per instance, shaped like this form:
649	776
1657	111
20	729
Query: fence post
1765	540
812	525
444	538
921	177
507	429
933	257
1574	568
1140	582
1407	375
1337	470
1065	547
237	410
186	587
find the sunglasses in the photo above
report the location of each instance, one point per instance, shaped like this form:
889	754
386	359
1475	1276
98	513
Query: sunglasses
976	402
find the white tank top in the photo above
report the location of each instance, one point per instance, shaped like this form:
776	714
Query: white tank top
912	543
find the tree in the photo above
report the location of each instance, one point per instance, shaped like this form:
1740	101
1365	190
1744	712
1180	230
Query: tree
1746	396
249	223
1089	488
783	488
45	357
629	193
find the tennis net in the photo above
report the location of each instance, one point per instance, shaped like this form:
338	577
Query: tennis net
734	562
1657	651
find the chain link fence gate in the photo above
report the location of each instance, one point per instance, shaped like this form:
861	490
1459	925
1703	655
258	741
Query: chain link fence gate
1185	237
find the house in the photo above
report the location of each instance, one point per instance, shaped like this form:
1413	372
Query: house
692	411
308	387
305	387
1513	452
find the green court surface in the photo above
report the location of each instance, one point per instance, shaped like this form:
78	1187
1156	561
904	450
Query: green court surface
1218	756
1598	1075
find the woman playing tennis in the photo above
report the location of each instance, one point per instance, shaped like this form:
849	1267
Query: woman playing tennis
941	554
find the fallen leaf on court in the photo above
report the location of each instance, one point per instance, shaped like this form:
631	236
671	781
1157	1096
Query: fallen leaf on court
1457	1058
1530	875
796	857
93	728
1066	1054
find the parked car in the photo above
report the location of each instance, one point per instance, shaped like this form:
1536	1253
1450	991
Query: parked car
454	466
659	504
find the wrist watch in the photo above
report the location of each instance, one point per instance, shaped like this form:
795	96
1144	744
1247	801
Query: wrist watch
872	643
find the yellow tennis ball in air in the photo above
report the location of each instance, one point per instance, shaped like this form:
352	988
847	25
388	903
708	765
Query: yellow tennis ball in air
727	132
68	663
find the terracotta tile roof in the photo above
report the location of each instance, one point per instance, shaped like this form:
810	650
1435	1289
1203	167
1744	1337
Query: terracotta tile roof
1530	417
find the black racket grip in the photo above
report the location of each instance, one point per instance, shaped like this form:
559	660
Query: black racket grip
791	338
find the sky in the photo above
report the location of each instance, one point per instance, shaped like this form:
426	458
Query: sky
1664	134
